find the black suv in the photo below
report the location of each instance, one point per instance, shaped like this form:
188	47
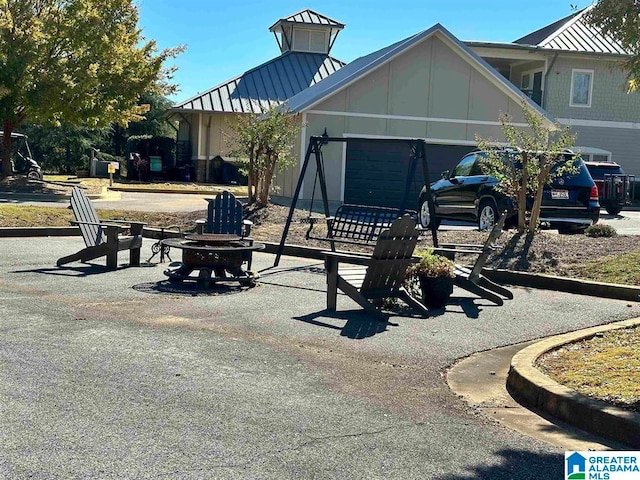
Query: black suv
569	204
615	189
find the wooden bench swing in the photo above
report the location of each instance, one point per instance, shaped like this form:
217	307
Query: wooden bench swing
363	224
353	224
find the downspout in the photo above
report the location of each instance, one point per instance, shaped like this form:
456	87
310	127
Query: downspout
546	81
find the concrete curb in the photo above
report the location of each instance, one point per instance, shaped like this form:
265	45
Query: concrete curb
533	387
12	232
173	191
563	284
9	232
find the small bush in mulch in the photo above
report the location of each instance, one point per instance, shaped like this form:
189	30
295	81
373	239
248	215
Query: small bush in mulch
600	230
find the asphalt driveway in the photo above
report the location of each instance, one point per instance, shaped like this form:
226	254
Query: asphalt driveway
119	375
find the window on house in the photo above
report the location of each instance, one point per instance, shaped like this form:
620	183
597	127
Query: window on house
581	88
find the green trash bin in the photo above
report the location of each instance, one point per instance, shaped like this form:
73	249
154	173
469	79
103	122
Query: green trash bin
155	164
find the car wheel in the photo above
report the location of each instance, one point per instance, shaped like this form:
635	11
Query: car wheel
34	175
613	209
487	215
425	215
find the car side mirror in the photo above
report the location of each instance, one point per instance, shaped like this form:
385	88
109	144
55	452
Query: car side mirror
444	175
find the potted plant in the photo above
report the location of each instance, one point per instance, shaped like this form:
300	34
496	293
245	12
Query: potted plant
432	276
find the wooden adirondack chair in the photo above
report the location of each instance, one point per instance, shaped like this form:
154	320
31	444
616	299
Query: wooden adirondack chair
101	238
224	216
471	279
379	275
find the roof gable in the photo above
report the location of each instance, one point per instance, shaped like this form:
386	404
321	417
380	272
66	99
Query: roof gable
574	34
362	66
265	86
534	38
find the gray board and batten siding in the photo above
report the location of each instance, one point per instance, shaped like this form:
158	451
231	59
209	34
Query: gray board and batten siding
429	86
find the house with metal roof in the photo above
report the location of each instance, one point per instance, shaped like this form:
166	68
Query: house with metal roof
305	40
428	86
574	72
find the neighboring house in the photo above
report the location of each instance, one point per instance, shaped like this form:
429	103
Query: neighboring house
574	73
305	40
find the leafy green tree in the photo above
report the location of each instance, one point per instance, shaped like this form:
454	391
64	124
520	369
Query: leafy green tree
82	62
153	124
63	148
620	19
264	143
536	159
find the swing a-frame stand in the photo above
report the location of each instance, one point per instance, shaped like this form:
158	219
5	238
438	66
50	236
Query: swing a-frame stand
357	224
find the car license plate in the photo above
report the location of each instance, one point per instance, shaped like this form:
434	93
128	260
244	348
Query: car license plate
560	194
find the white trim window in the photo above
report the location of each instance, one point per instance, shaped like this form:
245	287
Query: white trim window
581	88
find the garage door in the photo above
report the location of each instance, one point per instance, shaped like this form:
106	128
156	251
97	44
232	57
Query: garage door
376	172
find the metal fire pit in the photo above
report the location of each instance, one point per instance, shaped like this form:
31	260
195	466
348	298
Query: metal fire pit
218	258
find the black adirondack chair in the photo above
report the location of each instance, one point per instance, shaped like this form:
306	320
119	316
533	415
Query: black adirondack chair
102	238
376	276
471	278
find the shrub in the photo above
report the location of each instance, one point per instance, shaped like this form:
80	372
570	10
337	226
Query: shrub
600	230
431	265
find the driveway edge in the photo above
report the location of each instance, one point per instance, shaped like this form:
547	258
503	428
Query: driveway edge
537	390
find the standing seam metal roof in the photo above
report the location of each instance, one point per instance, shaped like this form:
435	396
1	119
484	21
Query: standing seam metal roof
265	86
574	34
309	17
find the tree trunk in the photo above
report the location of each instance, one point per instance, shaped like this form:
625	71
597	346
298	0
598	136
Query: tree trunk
7	130
537	201
535	209
251	181
522	196
266	180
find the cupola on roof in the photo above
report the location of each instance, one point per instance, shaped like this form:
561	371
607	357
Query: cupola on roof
305	39
306	31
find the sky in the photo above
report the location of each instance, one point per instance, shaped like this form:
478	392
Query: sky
224	38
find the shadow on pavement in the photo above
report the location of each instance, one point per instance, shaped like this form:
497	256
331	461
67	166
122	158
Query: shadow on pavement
359	324
519	464
85	270
188	289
